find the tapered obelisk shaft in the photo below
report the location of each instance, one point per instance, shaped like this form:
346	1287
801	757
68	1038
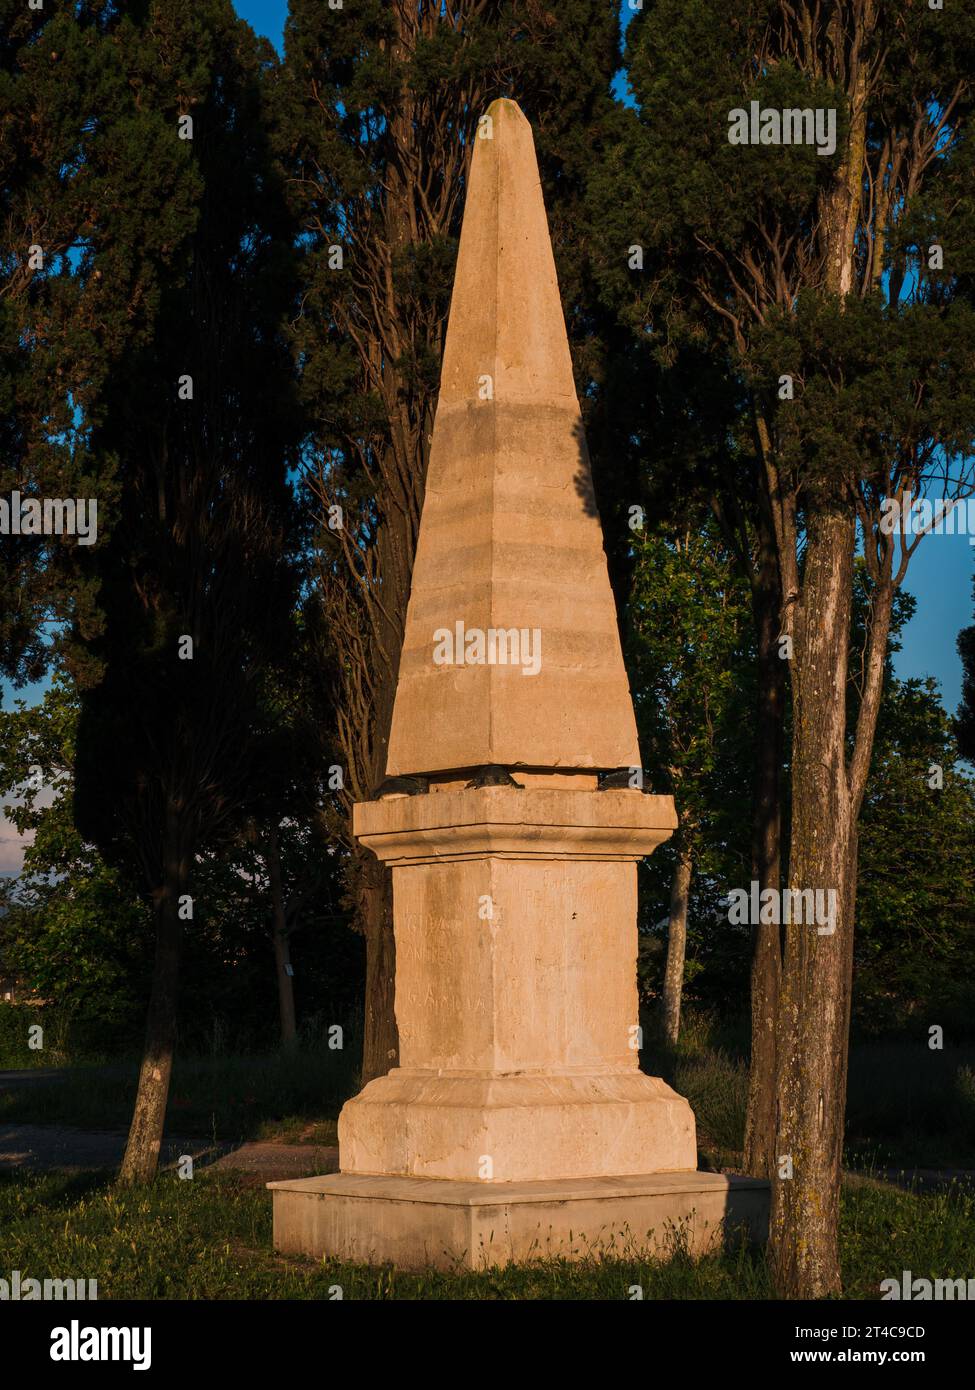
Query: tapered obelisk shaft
510	540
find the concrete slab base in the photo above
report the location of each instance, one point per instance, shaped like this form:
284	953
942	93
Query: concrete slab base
419	1223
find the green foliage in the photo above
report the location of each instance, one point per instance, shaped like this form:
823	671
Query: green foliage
78	935
166	256
690	653
72	1034
876	386
75	931
965	728
206	532
90	174
15	1023
343	112
690	657
733	293
915	944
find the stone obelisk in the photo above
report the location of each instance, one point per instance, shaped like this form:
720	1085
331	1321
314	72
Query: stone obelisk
518	1122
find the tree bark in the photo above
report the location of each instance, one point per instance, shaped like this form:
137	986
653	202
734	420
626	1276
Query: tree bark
812	1038
814	1006
140	1163
373	880
759	1143
676	945
282	942
380	1046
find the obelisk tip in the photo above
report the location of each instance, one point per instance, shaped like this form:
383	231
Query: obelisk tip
505	106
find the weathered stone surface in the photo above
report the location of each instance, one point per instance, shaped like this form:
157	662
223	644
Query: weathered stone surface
510	537
516	997
502	1129
516	990
417	1223
537	822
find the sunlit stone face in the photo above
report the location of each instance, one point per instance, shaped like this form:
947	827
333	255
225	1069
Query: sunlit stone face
512	652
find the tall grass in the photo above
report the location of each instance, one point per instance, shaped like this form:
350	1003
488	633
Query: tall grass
211	1239
906	1103
61	1045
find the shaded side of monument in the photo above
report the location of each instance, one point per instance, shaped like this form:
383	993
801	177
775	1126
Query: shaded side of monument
518	1124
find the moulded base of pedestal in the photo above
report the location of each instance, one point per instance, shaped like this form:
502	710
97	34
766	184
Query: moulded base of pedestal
419	1223
516	1128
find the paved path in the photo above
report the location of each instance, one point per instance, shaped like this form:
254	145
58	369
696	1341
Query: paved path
53	1148
34	1076
270	1160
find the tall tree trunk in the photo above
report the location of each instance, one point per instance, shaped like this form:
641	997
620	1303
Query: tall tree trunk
141	1161
282	942
814	1005
373	879
676	944
406	462
759	1144
813	1028
380	1046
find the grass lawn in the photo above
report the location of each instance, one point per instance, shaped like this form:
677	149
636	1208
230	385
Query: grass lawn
210	1238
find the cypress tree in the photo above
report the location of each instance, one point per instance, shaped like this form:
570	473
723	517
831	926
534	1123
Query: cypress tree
197	581
67	312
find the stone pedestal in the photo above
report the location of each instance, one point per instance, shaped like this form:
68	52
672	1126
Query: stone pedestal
519	1124
516	998
421	1223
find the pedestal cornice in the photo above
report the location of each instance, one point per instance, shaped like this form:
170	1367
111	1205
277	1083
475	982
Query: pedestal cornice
513	823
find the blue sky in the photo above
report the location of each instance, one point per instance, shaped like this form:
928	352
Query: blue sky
265	16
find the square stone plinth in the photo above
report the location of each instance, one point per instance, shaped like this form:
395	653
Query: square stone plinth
422	1223
527	1128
